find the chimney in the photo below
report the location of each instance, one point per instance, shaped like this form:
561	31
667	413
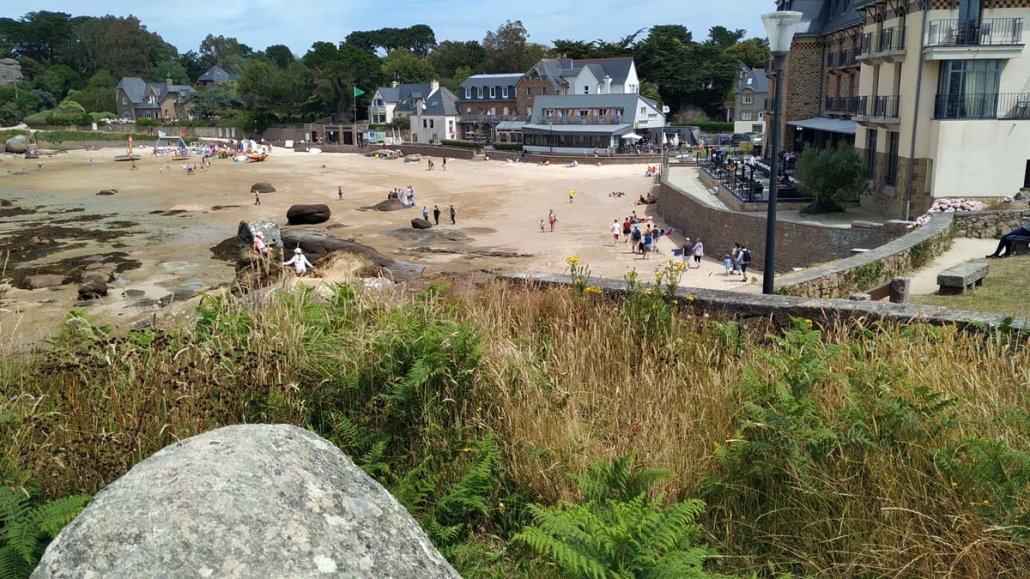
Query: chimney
395	84
434	86
607	84
168	82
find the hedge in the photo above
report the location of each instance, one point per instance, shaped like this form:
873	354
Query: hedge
462	144
508	146
708	126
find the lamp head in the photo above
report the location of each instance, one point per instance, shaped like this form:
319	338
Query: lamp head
780	28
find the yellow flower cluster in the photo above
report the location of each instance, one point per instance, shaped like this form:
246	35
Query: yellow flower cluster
573	260
808	323
592	290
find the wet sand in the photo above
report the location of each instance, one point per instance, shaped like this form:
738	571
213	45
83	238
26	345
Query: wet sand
169	222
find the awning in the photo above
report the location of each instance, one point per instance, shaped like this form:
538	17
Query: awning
631	137
826	124
510	125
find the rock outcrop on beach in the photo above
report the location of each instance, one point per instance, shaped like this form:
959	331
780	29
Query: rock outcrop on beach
244	501
308	214
254	270
93	286
44	280
419	223
262	188
318	244
388	205
17	144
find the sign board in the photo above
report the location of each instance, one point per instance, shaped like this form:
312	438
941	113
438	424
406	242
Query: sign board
94	126
289	143
665	109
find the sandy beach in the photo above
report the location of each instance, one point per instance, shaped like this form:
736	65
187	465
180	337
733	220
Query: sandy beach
169	222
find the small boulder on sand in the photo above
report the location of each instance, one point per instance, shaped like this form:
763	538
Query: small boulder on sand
308	214
93	287
419	223
44	280
389	205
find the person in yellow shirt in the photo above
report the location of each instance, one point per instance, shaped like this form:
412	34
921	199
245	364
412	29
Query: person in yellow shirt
572	194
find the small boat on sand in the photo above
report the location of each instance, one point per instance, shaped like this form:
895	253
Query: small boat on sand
257	157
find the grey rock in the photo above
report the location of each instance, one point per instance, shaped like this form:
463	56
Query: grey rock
44	280
901	287
93	287
107	192
419	223
262	188
17	144
860	297
270	229
244	501
1021	196
389	205
308	214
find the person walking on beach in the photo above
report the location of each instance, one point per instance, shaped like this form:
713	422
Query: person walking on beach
699	252
648	243
637	242
339	192
552	219
542	230
436	214
572	195
454	214
616	228
627	228
425	213
443	164
257	197
744	259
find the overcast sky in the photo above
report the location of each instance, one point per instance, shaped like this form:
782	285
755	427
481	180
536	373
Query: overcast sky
298	23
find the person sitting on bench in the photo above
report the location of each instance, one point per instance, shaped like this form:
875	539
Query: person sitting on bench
1023	233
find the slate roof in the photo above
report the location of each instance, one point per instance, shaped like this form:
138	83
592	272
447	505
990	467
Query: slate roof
404	95
136	89
488	80
824	16
441	103
759	82
557	68
628	102
217	74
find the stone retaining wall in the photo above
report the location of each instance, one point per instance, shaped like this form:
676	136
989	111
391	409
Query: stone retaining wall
872	268
434	151
821	311
989	224
797	244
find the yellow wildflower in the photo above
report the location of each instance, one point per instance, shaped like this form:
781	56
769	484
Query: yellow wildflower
573	260
954	485
987	502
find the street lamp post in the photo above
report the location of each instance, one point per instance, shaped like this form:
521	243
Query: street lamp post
780	27
550	138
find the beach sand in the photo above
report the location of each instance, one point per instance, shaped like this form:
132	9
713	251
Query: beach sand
169	222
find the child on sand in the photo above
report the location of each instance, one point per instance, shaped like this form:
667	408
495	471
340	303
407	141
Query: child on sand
728	263
542	229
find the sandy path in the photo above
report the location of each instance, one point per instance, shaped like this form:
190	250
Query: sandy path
499	209
924	280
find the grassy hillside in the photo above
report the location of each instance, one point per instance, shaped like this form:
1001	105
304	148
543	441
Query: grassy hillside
852	451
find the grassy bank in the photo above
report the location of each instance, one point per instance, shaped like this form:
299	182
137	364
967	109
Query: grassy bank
1004	291
853	451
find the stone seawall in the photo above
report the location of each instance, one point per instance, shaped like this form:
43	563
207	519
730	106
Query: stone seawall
821	311
797	244
875	267
989	224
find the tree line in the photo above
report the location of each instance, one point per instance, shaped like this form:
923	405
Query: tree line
67	59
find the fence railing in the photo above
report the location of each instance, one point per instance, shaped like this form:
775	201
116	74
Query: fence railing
881	107
987	32
887	40
983	106
491	118
842	105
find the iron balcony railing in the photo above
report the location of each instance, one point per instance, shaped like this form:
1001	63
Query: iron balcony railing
988	32
491	118
983	106
577	120
887	40
842	105
880	107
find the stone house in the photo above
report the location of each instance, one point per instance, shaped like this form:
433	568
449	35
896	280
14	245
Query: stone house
565	76
137	99
487	106
749	94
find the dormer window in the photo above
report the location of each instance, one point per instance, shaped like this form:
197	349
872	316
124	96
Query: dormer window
479	92
468	93
493	92
749	80
504	92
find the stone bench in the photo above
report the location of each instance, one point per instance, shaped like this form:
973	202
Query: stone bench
1021	240
958	279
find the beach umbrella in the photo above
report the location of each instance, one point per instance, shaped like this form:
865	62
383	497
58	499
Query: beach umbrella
631	137
262	188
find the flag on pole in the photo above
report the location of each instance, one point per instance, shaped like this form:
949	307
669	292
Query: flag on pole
357	91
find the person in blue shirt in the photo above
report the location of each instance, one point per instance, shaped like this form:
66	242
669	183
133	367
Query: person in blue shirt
638	244
648	243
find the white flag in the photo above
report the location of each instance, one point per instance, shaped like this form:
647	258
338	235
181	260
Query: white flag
665	109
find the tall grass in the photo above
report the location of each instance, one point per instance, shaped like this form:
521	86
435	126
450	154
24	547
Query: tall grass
857	450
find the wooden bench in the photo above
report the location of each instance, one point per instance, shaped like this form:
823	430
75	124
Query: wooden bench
962	277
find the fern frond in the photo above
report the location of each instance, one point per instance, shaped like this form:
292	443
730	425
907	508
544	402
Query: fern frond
51	517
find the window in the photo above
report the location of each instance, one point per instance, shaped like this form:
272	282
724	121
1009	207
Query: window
504	92
529	91
745	115
493	111
582	113
431	124
504	111
748	99
586	89
125	101
870	153
749	79
643	110
425	124
757	128
479	92
892	159
468	110
968	89
543	90
493	92
1026	176
468	93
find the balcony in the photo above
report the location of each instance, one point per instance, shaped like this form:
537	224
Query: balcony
490	119
589	120
983	106
999	38
884	47
877	111
841	106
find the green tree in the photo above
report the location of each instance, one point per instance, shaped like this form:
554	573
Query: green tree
45	36
226	52
10	30
419	39
121	46
451	55
172	69
58	80
271	90
406	67
99	94
190	61
724	37
506	48
342	67
574	48
753	52
280	54
830	177
14	108
215	102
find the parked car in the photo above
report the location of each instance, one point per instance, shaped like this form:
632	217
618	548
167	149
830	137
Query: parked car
737	138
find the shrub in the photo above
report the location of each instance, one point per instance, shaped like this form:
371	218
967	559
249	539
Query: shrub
462	144
508	146
27	526
831	176
98	117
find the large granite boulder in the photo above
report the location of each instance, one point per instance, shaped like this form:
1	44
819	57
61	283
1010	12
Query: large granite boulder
244	501
307	214
419	223
270	229
253	270
262	188
92	287
389	205
318	244
17	144
44	280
